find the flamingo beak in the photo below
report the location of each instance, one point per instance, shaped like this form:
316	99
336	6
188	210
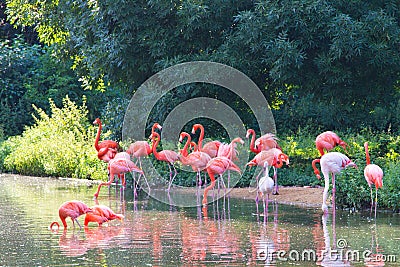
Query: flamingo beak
352	164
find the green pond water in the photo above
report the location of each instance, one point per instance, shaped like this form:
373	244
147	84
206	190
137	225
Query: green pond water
227	232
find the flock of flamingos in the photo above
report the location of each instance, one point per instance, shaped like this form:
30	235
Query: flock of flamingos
215	158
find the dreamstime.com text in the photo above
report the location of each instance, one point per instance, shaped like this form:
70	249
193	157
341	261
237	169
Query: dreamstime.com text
340	254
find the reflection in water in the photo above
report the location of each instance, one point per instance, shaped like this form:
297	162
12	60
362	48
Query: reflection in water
266	241
73	244
376	258
331	255
156	234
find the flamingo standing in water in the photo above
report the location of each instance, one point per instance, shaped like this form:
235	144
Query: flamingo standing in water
264	142
211	148
119	165
275	158
101	214
373	175
197	160
72	209
107	146
265	187
328	140
140	149
331	163
168	156
218	165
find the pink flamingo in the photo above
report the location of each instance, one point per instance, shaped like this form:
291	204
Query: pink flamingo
275	158
101	214
218	165
138	150
72	209
332	162
373	175
328	140
197	160
168	156
229	151
211	148
119	165
264	142
105	144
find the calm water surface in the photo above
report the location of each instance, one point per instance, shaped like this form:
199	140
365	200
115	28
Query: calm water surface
156	234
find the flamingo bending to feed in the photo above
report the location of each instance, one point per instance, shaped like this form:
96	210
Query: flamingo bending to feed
106	145
373	175
119	165
101	214
218	165
197	160
265	187
211	148
264	142
328	140
331	163
168	156
72	209
275	158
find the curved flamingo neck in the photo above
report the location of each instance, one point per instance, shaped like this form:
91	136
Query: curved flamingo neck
156	140
201	137
96	142
184	151
316	171
153	128
253	139
367	153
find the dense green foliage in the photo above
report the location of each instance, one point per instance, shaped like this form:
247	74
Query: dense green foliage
339	58
59	145
30	75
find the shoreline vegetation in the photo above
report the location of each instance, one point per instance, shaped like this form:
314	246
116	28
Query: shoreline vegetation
61	145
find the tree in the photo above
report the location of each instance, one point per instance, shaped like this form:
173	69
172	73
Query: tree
345	54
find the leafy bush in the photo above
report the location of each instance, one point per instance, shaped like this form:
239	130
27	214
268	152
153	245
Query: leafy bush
60	145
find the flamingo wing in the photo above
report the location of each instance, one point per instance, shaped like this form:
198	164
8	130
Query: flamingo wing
139	149
169	156
373	174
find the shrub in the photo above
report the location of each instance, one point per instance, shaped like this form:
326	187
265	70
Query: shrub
60	145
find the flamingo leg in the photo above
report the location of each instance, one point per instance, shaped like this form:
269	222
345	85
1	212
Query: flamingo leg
76	220
276	181
170	175
257	184
144	176
212	185
105	183
372	201
325	194
333	190
206	192
376	200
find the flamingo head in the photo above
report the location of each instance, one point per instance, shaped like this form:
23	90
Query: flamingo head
251	163
97	121
195	127
249	132
352	164
183	135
